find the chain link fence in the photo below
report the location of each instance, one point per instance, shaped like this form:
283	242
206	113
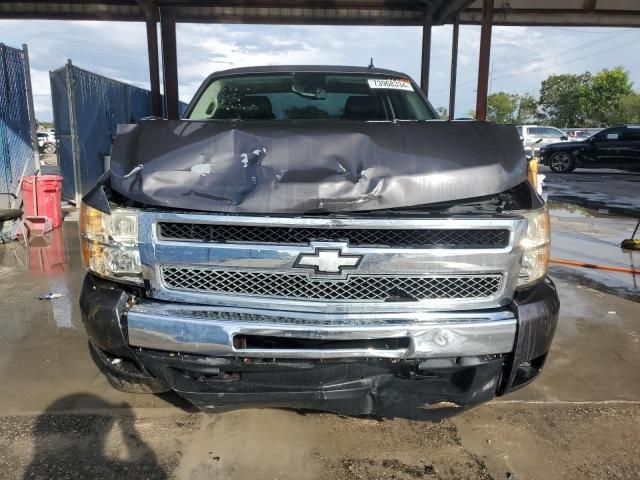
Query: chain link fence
87	108
16	151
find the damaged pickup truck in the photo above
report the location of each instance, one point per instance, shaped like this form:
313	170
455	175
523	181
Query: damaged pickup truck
313	237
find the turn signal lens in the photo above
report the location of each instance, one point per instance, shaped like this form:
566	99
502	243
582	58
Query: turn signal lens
109	243
535	246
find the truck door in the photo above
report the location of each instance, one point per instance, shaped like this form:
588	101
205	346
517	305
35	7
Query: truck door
606	148
629	151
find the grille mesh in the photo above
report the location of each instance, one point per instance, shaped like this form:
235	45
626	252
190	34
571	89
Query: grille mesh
431	238
355	288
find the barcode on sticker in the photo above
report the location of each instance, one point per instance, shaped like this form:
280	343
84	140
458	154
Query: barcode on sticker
390	83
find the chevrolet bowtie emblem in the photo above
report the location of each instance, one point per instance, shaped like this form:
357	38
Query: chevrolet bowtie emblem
327	261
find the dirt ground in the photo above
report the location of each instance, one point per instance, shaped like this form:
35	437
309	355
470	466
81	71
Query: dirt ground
500	440
59	418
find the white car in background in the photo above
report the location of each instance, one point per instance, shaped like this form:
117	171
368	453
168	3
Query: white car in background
535	137
47	142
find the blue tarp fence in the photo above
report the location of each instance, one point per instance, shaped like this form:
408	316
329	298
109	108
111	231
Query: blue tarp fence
16	153
87	107
98	104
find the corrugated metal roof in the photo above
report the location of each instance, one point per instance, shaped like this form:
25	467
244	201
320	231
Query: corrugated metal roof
349	12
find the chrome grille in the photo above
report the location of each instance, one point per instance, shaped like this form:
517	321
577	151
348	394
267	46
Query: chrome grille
355	288
411	238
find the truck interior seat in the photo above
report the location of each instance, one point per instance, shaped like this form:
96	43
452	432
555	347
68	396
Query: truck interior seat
363	107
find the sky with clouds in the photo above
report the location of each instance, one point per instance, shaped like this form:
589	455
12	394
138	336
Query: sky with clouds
521	56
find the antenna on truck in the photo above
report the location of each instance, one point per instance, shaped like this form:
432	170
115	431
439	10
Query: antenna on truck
371	63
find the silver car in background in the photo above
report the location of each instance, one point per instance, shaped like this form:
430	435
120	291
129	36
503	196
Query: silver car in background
535	137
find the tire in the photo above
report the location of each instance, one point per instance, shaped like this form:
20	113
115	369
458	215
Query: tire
128	384
562	162
50	148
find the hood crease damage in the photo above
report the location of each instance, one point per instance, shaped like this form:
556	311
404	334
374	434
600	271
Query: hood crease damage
301	167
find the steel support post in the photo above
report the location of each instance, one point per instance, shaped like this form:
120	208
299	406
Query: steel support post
154	65
426	52
169	63
33	126
485	56
454	68
73	130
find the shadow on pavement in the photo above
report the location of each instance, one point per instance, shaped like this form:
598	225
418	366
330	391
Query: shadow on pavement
102	443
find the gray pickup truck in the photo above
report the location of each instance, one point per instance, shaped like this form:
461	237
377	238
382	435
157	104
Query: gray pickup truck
315	238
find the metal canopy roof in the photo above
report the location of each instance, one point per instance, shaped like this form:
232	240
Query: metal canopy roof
338	12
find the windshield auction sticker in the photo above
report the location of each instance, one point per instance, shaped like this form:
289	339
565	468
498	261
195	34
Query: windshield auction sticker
391	83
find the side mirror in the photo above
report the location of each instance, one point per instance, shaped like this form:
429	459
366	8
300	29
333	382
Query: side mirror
564	138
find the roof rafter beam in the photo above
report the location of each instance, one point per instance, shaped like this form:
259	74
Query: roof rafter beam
334	12
449	9
555	17
589	5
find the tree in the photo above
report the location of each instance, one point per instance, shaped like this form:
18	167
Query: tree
587	100
527	109
443	113
628	109
503	107
563	98
603	96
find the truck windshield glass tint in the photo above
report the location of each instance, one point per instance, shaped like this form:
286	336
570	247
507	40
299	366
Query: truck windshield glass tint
311	96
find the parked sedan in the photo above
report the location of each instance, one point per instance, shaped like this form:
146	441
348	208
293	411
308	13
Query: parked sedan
615	147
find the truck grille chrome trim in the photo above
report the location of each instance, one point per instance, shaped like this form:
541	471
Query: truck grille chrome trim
407	238
371	288
390	277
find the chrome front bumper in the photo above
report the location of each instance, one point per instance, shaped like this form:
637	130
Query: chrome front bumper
211	330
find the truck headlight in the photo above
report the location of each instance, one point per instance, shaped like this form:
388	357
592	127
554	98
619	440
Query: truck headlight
110	243
535	246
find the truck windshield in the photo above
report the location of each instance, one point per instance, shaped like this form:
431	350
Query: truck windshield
311	96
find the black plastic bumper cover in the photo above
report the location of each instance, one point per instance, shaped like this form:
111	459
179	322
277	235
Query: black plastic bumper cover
352	387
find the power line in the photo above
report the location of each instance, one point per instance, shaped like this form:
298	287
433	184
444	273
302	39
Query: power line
565	52
611	36
592	54
545	59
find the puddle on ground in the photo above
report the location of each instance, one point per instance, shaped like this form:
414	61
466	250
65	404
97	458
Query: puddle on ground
46	264
594	236
568	210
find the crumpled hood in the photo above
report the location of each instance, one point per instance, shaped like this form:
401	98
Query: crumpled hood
303	167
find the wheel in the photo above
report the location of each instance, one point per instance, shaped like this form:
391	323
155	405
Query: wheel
562	162
50	148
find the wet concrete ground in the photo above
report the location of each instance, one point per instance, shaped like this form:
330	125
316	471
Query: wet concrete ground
585	235
59	418
615	191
